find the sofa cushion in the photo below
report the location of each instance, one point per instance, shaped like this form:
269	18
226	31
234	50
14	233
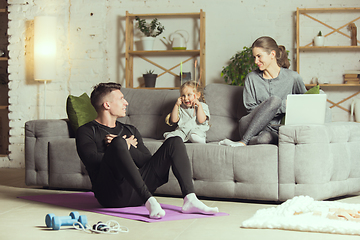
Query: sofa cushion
79	110
225	172
149	108
320	161
65	167
226	108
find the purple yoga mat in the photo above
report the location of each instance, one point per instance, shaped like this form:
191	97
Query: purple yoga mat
87	202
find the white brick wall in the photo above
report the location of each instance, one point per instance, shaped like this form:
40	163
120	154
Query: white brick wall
91	48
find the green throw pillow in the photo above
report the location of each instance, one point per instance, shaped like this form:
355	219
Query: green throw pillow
80	110
313	90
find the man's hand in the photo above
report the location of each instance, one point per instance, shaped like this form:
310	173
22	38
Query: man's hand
109	138
131	141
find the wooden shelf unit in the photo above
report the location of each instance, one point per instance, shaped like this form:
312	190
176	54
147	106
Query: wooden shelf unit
4	121
309	47
130	53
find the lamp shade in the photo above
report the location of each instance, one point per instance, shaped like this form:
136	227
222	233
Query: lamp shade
44	48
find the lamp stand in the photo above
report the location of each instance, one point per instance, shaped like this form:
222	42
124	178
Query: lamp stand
45	99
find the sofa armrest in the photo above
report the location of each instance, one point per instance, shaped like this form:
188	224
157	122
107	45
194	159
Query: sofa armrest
37	135
65	167
321	161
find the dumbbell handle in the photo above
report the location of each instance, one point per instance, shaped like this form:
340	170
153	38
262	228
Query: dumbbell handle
57	222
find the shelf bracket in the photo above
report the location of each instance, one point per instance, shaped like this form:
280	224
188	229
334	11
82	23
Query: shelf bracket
163	68
338	103
334	29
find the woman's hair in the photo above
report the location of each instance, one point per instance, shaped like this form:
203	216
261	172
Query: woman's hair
269	44
197	89
100	91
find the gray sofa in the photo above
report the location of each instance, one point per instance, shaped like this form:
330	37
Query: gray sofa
322	161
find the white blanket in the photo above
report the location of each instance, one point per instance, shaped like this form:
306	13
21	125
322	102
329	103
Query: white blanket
282	217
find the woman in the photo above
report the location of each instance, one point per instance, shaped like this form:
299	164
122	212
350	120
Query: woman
265	94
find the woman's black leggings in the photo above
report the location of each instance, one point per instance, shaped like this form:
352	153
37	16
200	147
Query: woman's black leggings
121	184
253	127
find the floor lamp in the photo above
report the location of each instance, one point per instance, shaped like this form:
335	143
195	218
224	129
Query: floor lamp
44	51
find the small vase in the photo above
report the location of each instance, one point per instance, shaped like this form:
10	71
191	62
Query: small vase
319	41
150	80
148	43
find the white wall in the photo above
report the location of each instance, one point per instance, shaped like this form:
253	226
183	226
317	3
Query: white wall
91	48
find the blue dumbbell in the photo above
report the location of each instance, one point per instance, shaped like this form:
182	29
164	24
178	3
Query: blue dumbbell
55	222
49	218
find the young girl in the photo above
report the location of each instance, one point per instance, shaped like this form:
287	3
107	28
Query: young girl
191	115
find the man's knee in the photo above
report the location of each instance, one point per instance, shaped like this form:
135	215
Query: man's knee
119	143
174	144
174	140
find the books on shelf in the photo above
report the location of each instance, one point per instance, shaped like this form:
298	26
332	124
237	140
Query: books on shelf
351	78
351	75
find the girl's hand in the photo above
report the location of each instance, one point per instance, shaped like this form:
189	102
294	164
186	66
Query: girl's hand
109	138
131	141
196	102
174	115
178	102
200	114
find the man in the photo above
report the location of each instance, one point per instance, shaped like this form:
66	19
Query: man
122	170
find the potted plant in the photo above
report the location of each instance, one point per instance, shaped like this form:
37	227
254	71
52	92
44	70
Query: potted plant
319	40
150	30
240	65
150	78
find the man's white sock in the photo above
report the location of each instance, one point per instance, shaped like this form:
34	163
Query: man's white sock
193	205
154	208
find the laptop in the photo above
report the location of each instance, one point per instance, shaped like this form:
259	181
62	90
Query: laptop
305	109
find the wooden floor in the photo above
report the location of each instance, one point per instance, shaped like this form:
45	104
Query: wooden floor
22	219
